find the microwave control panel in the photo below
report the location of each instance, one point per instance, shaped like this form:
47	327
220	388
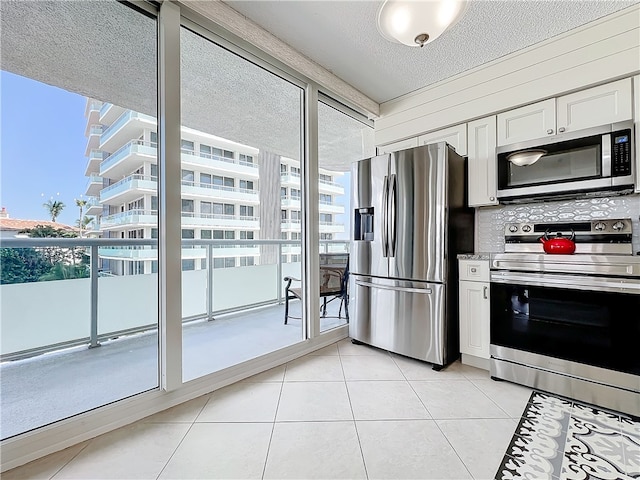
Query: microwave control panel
621	153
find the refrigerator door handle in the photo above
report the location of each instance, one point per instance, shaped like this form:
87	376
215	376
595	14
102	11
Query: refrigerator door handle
393	186
385	218
426	291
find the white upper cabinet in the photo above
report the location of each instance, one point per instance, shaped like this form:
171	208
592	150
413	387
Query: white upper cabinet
527	123
636	118
396	146
455	136
482	162
609	103
595	106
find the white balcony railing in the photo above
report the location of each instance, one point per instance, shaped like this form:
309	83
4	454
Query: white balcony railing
135	182
87	326
139	147
189	219
122	121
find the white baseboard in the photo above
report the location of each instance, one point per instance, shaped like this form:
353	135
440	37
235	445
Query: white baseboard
474	361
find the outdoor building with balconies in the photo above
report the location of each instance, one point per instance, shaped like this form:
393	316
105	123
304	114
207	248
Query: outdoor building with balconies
220	193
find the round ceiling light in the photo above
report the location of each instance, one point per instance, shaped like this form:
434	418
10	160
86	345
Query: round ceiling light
418	22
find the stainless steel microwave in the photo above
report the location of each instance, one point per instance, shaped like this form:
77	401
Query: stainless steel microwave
592	162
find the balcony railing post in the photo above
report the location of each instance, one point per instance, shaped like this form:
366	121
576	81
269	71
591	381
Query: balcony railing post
93	337
210	282
279	280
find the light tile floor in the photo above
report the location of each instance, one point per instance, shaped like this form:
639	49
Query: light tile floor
345	412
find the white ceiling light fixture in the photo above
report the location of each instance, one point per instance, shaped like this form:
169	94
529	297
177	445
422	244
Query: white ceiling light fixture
418	22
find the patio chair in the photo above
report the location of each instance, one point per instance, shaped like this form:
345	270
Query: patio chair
334	279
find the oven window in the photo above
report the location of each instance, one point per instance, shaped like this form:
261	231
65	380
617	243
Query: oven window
564	166
591	327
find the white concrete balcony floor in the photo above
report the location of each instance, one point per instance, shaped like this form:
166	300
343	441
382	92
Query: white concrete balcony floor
43	389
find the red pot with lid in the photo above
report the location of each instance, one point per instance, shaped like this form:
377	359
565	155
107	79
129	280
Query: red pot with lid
559	244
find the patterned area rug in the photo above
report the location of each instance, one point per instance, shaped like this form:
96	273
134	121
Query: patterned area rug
559	439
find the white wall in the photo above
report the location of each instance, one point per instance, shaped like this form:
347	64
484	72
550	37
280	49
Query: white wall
34	315
598	52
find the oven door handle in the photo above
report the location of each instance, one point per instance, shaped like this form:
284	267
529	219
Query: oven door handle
569	282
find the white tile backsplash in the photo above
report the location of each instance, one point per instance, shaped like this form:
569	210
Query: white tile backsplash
490	221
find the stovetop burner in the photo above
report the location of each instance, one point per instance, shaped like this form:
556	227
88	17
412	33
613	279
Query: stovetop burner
611	236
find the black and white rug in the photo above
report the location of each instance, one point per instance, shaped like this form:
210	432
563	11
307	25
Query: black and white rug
559	439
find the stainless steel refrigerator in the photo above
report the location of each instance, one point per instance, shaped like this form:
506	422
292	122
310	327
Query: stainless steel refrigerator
410	220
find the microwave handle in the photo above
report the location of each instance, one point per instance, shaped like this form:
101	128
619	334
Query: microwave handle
606	155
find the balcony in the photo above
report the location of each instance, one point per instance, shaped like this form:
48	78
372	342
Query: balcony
93	162
290	180
92	112
94	185
130	218
93	141
228	249
218	164
209	191
134	153
325	186
93	311
109	113
130	125
93	206
128	189
331	227
143	218
131	155
289	224
324	207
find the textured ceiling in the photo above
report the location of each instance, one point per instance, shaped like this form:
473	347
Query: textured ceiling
104	50
107	51
342	37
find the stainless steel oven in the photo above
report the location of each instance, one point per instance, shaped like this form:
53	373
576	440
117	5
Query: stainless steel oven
569	324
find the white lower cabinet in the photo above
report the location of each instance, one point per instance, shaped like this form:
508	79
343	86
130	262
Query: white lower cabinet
474	311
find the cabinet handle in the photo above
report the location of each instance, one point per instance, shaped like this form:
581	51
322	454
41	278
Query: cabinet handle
474	270
484	292
561	129
550	131
492	198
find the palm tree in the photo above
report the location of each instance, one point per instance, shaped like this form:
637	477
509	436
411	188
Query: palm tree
84	224
54	207
81	204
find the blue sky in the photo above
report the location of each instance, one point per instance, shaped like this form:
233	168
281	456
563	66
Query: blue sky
41	148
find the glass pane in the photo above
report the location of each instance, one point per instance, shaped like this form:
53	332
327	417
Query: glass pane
577	164
341	141
249	119
78	109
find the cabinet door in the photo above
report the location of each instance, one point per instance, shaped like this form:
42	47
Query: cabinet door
482	162
533	121
396	146
455	136
636	118
595	106
474	318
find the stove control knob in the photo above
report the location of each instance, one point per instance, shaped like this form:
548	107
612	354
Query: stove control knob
600	226
513	228
618	226
526	228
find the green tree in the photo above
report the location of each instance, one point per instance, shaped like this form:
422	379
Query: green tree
75	258
82	226
80	204
54	207
22	265
61	271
